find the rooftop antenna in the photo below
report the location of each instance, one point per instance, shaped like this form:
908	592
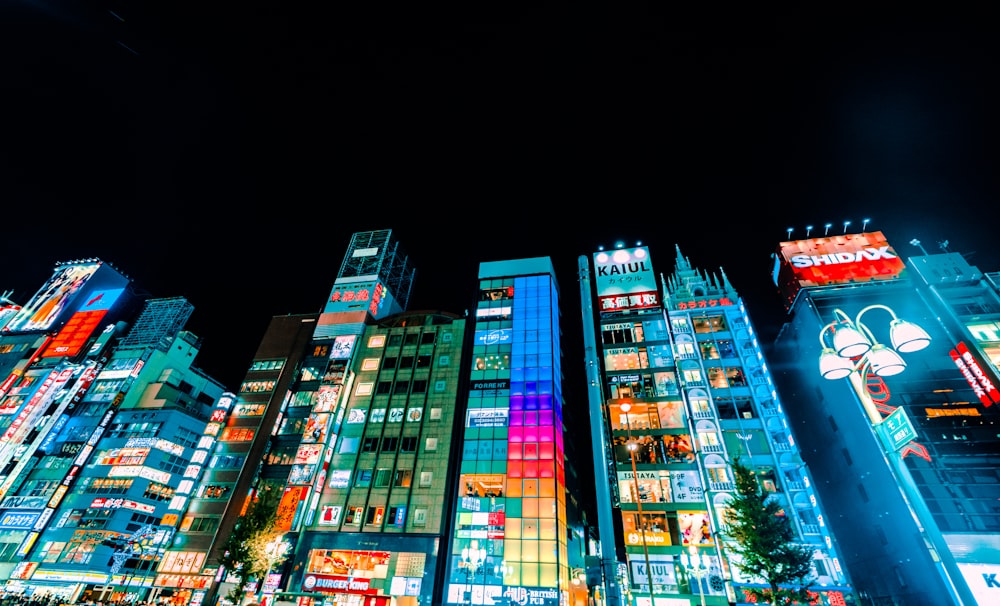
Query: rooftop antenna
916	243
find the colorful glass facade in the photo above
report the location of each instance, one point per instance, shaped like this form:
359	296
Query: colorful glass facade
509	537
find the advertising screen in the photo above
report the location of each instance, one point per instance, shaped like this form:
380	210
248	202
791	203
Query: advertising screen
827	261
49	303
82	324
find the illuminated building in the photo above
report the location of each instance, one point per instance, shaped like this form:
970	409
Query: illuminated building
355	406
94	487
509	537
891	367
681	380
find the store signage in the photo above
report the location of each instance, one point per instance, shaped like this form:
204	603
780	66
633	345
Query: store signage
897	430
488	417
342	584
529	596
978	380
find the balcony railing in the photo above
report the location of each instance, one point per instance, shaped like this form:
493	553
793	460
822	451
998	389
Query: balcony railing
722	486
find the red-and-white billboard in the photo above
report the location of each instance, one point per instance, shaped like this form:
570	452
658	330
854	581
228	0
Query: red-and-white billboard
829	261
625	280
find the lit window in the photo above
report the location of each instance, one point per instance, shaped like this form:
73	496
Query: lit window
369	364
364	389
376	341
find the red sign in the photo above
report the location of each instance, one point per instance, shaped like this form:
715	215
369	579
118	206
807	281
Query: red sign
980	383
834	260
74	334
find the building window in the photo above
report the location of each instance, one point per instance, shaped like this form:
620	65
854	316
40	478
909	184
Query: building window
384	388
390	444
354	515
382	476
707	324
402	478
408	444
364	389
427	338
375	515
369	445
376	341
424	361
419	386
397	516
369	364
431	444
426	479
364	478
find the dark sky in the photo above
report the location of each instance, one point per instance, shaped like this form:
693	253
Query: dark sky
227	155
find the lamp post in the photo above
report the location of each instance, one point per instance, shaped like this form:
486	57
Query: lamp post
851	350
473	557
695	566
275	551
632	446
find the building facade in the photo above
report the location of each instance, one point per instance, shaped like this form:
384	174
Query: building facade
509	541
102	412
684	391
892	367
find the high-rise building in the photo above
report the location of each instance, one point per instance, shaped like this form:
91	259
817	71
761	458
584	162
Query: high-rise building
681	382
891	371
101	424
510	542
302	393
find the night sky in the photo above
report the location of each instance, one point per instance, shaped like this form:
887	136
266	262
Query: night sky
227	156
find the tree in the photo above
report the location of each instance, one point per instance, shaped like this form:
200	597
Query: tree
246	553
764	542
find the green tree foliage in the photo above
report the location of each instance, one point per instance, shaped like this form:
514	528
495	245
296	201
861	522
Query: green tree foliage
763	538
247	553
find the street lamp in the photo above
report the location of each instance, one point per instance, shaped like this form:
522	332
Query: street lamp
632	446
854	347
275	551
695	566
473	558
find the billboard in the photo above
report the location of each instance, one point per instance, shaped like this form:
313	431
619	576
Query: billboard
625	280
372	296
84	322
54	298
829	261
